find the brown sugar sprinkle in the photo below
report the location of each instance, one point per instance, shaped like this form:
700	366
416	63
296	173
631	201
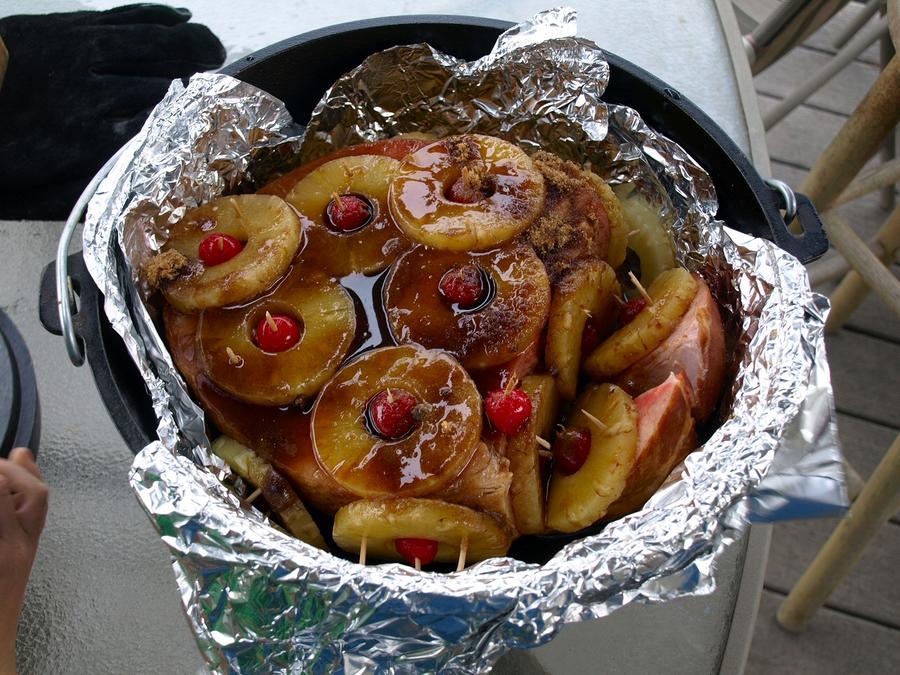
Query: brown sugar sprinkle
463	150
166	266
464	153
560	174
567	230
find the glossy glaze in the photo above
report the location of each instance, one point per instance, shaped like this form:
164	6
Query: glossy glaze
493	333
431	456
422	209
236	363
371	247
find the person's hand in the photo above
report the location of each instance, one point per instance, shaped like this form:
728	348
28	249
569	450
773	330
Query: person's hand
78	86
23	509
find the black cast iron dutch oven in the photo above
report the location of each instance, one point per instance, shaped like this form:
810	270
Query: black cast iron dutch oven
299	70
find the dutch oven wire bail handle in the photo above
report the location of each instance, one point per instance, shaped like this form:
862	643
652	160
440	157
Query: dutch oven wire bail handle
811	241
65	293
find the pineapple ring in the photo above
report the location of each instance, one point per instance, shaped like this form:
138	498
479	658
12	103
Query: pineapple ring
232	359
382	521
368	249
527	488
419	202
270	231
492	333
582	498
432	455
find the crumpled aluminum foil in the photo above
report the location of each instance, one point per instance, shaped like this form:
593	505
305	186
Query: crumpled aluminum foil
258	599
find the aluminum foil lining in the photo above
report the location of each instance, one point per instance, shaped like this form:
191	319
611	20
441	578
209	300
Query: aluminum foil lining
258	599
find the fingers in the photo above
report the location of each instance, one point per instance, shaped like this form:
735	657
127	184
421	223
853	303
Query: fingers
144	13
9	522
161	51
24	458
28	495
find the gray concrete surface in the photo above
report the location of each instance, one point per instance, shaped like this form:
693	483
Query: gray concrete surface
102	598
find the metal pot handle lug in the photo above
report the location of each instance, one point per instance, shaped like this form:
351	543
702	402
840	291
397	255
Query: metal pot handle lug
65	294
812	242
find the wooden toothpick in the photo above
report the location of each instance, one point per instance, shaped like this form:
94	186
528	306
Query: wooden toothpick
338	203
463	550
233	359
390	396
587	313
511	384
271	322
541	442
362	549
640	288
546	454
593	419
252	496
418	565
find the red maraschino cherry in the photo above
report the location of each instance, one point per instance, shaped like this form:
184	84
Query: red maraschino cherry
631	309
218	248
463	286
391	413
571	449
349	213
411	548
277	332
508	410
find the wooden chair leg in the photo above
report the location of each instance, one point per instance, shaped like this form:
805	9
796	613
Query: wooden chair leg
832	67
881	178
875	504
857	141
885	53
863	261
853	289
862	17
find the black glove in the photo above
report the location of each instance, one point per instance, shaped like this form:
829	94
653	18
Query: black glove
79	85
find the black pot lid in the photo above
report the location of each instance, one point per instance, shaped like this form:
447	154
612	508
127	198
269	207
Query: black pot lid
19	407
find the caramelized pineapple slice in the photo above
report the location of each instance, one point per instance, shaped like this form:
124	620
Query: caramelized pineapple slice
589	291
508	316
381	522
373	245
275	489
265	225
423	443
672	293
647	235
466	193
236	361
579	499
522	451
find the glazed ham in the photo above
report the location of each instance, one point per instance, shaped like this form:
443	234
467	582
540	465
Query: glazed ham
665	437
282	437
695	348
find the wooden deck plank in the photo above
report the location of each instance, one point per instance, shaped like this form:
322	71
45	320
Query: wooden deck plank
865	377
801	137
871	317
840	95
864	444
823	38
870	590
834	644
